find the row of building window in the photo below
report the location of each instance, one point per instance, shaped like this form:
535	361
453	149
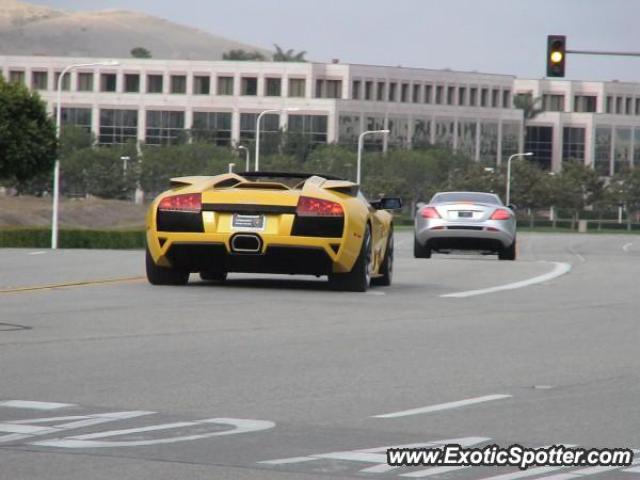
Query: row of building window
155	83
166	127
406	92
620	105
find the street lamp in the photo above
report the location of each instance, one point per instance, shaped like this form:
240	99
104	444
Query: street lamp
247	156
508	194
231	165
360	146
56	168
274	110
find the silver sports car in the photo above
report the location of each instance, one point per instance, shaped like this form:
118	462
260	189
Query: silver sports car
474	221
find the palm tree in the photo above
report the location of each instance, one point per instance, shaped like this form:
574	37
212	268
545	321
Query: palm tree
289	55
529	105
243	55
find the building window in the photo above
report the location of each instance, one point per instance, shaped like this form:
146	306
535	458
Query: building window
618	105
393	87
380	93
511	132
404	92
473	96
154	83
398	132
467	133
602	159
39	80
506	99
118	126
584	103
131	83
573	141
348	128
269	128
451	95
609	105
540	142
297	87
201	85
627	106
213	127
484	94
164	127
249	86
622	149
66	81
178	84
489	143
334	89
495	97
553	103
108	82
416	93
637	102
428	93
273	87
439	90
225	85
16	76
355	90
314	127
78	117
368	90
462	96
85	82
421	133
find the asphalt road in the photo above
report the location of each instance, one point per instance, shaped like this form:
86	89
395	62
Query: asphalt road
279	377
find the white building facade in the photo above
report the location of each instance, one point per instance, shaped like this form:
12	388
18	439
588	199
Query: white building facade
156	101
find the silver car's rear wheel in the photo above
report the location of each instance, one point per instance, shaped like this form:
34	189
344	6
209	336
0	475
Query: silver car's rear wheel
419	251
508	253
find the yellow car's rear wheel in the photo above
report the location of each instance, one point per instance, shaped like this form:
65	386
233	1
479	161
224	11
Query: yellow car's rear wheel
386	268
158	275
359	278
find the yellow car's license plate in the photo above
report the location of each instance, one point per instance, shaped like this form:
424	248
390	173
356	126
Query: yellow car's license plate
247	222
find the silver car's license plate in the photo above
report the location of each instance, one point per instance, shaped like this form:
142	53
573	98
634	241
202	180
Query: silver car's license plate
247	222
465	214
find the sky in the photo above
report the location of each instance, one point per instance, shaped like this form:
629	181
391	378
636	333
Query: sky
492	36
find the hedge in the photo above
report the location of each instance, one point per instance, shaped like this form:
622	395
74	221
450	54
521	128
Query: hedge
72	238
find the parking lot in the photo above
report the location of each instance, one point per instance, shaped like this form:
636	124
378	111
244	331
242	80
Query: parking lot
280	377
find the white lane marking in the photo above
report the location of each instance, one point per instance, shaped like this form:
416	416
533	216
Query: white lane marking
36	253
632	470
35	405
577	254
559	269
626	246
443	406
376	455
428	472
374	293
284	461
87	441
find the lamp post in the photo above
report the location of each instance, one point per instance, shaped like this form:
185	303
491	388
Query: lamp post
360	146
274	110
508	193
247	157
231	165
56	168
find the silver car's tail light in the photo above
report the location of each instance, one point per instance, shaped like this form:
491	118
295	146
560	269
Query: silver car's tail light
501	214
429	212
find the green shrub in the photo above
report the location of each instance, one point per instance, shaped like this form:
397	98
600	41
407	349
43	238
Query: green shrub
68	238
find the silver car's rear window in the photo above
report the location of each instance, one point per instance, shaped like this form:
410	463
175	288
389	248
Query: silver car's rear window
466	197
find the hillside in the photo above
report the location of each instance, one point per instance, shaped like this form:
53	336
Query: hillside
27	29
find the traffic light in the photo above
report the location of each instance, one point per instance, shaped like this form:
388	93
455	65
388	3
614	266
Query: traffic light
556	54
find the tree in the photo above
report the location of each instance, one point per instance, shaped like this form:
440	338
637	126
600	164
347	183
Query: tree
288	56
243	55
529	105
140	52
28	144
624	189
576	187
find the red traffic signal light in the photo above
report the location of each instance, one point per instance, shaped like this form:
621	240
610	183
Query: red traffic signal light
556	55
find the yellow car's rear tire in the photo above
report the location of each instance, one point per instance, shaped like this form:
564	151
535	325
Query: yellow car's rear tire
158	275
386	269
359	278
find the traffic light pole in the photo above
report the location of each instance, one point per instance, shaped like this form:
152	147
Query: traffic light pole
594	52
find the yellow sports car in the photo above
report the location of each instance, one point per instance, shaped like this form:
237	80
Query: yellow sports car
274	222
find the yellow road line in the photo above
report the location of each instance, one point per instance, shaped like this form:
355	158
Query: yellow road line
86	283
